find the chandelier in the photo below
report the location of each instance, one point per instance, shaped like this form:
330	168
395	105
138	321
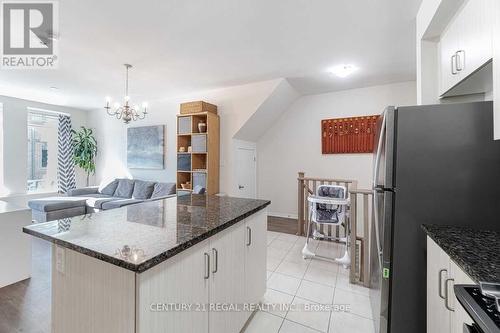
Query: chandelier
127	112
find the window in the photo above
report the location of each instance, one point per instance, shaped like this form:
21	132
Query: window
42	151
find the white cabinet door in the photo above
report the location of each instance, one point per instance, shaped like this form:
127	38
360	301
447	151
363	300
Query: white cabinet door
475	38
459	316
255	257
227	276
466	46
438	266
448	46
182	280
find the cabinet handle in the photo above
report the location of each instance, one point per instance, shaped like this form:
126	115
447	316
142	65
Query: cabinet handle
453	64
216	260
447	294
459	60
207	266
249	236
440	289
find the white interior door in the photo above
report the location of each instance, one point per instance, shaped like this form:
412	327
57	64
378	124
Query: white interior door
246	172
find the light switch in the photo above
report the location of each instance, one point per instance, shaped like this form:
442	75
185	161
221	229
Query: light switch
60	259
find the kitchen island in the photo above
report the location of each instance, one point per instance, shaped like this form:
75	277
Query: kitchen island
185	264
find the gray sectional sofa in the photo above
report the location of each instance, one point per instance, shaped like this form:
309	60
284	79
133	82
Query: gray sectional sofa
116	194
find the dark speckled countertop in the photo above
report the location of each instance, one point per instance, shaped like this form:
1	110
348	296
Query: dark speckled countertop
153	231
477	252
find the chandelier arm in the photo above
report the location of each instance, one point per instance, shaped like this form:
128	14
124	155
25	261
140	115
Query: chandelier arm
119	113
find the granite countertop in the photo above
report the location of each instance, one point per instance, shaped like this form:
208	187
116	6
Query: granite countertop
152	232
477	252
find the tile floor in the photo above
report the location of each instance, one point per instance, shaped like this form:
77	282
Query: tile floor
294	281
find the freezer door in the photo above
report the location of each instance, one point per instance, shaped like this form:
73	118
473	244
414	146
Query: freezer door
383	166
380	260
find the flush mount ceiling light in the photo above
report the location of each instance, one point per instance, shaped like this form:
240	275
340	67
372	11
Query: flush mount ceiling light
343	70
126	111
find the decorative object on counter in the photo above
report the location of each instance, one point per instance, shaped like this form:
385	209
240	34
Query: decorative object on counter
84	150
182	149
146	147
133	254
126	111
348	135
198	107
202	127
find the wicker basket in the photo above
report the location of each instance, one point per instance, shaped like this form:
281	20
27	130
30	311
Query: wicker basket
197	107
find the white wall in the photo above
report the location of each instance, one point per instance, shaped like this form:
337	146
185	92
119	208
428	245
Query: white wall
293	143
235	105
15	141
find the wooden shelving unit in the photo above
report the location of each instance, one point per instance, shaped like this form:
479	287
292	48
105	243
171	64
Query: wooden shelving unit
200	166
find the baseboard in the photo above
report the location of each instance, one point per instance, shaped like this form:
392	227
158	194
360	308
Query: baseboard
284	215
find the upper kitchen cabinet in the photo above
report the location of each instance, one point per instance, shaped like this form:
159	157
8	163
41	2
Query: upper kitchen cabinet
465	49
458	52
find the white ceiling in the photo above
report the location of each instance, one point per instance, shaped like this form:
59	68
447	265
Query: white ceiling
179	46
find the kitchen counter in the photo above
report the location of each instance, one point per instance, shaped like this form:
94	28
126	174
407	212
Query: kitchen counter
154	231
120	270
475	251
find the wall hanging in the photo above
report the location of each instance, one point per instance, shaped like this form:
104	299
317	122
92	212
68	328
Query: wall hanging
146	147
348	135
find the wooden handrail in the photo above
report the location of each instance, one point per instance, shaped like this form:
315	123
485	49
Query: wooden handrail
361	191
333	180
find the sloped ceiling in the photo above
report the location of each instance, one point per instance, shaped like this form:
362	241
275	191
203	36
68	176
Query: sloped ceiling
278	101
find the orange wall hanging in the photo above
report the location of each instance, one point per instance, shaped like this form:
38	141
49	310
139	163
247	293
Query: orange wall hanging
348	135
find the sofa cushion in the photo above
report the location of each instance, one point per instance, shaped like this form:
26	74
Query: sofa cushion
108	188
143	189
119	203
163	189
125	188
56	203
96	200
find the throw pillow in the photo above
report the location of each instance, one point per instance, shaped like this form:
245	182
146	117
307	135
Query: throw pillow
143	189
163	189
109	188
125	188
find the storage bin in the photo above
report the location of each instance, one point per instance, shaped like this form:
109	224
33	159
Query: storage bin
199	179
184	162
184	125
199	143
197	107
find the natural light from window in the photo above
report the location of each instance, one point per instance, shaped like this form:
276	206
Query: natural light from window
42	152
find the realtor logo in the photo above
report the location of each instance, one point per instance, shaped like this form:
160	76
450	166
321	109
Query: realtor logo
29	35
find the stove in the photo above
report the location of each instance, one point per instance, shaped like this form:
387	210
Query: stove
481	306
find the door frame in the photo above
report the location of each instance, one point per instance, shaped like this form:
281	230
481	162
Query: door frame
246	145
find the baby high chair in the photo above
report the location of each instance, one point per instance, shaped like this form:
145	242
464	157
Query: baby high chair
328	207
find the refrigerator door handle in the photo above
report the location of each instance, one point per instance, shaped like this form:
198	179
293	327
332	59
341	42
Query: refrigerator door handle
375	199
376	165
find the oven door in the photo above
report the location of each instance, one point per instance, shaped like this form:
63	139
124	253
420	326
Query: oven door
472	328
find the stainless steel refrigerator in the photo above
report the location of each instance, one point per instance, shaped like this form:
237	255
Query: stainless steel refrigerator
434	164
